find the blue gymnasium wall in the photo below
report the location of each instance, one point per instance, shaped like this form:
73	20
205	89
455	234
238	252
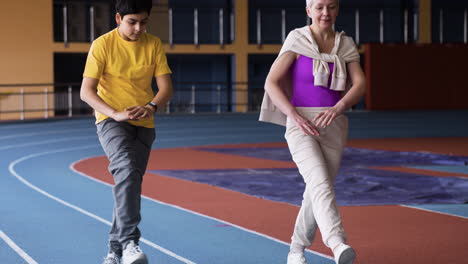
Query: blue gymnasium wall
259	65
219	68
206	72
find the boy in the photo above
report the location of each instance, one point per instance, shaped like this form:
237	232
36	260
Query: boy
117	85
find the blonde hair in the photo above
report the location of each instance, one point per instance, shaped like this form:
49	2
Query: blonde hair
310	2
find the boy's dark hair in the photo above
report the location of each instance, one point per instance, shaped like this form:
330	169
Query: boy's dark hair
125	7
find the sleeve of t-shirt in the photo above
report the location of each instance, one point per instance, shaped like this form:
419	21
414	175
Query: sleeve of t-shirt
161	61
95	62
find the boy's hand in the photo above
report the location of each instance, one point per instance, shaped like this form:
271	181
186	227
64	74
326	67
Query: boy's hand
133	113
139	112
121	116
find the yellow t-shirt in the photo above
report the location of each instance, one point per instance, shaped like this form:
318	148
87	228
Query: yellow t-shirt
125	70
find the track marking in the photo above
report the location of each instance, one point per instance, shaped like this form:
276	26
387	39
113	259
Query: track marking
12	171
433	211
44	142
44	133
17	249
72	167
11	167
160	202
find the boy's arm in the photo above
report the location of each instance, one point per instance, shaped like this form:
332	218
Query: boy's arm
88	93
165	91
162	97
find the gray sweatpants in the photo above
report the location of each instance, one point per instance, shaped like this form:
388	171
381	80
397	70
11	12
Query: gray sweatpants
128	148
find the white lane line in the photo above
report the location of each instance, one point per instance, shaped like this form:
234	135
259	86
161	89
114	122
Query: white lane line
433	211
17	249
44	142
12	171
72	167
204	137
45	124
47	132
55	131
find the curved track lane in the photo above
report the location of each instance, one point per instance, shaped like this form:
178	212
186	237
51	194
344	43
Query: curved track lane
57	216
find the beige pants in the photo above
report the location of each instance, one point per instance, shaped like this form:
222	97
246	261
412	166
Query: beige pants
318	160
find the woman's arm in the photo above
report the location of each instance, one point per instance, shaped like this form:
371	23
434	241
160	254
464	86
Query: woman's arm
279	70
351	98
358	88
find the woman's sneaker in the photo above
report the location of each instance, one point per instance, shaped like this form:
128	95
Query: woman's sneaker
296	258
344	254
111	258
132	254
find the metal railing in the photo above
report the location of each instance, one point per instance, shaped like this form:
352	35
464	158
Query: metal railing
90	9
44	101
405	30
40	101
441	25
221	12
465	26
25	101
409	18
80	21
65	25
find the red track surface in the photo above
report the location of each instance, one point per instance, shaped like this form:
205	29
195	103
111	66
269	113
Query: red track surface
450	146
380	234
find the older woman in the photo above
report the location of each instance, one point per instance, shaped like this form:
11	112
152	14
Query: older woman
315	78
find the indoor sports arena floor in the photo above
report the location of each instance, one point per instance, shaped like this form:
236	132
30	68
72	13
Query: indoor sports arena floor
223	189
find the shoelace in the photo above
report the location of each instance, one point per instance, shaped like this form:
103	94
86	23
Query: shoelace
134	250
111	259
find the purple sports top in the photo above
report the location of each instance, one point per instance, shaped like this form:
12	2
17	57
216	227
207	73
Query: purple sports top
305	93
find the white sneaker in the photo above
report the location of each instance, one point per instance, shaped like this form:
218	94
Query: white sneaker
132	254
296	258
344	254
111	258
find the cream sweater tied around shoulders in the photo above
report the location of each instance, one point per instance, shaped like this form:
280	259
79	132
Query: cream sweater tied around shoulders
301	41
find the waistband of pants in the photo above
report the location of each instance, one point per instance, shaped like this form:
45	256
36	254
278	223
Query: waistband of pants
312	109
311	112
